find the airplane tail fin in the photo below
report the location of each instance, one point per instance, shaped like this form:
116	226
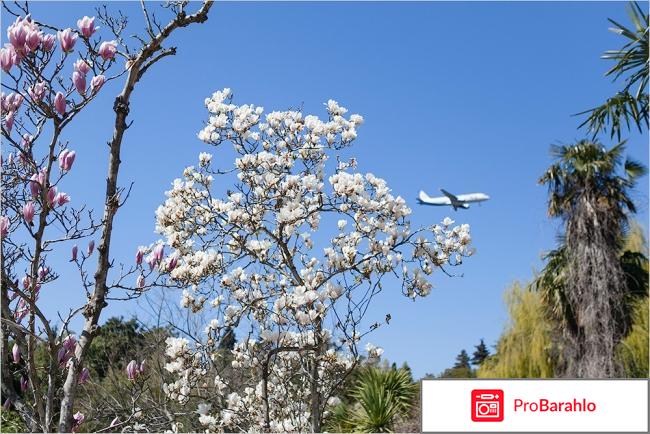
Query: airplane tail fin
423	197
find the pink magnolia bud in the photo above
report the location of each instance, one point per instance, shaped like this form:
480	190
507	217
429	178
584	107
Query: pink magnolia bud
114	422
132	370
24	383
86	26
107	50
84	375
26	141
48	42
37	91
75	250
173	261
79	81
69	343
96	83
36	182
4	226
159	252
51	194
15	352
67	39
140	282
81	66
7	404
138	256
61	199
62	356
91	247
43	272
8	58
9	121
27	282
78	418
66	159
59	103
28	212
143	367
33	40
151	261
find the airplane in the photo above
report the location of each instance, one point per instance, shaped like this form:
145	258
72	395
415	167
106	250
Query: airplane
460	201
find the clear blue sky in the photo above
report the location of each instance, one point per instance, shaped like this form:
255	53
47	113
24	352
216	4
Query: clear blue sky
465	96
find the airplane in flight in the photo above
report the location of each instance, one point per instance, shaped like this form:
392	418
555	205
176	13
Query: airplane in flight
460	201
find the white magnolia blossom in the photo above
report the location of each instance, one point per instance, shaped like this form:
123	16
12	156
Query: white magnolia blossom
262	258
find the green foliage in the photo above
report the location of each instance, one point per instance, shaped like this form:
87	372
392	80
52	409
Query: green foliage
632	352
115	345
525	349
11	421
379	397
630	105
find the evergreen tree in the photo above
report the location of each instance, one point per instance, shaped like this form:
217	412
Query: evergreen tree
462	360
480	354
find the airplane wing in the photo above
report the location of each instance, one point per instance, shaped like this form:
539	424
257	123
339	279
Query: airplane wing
426	199
449	195
472	197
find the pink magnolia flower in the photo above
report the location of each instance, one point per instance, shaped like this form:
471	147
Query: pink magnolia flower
70	342
8	57
143	367
15	352
4	226
91	247
140	282
17	34
28	212
24	383
138	256
13	101
59	103
37	91
132	370
48	42
107	50
66	159
84	376
67	39
61	199
81	66
79	81
86	26
75	251
26	141
33	40
51	194
96	83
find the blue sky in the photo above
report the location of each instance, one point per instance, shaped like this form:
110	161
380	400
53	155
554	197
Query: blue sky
464	96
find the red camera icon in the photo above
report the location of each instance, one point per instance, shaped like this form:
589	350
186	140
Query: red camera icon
487	405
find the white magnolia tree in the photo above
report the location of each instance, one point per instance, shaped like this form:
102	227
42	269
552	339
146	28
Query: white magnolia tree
255	261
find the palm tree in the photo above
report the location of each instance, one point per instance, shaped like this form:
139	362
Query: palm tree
584	281
630	104
379	397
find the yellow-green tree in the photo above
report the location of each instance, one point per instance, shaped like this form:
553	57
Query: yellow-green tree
525	349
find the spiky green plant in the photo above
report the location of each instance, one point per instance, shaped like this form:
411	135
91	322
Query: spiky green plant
629	107
379	397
